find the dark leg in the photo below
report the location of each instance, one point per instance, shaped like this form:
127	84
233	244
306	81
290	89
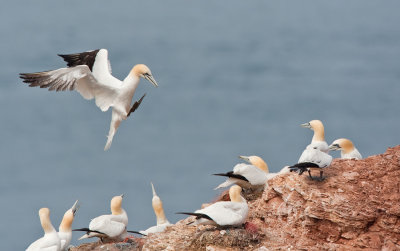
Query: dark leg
320	175
309	173
136	105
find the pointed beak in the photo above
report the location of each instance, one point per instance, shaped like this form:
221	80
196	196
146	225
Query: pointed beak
122	195
306	125
151	79
75	207
152	188
334	147
245	158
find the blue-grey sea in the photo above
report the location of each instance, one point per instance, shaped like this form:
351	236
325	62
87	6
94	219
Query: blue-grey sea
235	78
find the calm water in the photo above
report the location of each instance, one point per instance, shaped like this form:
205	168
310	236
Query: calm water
234	79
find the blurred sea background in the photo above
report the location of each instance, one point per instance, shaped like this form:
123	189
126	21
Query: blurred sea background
236	78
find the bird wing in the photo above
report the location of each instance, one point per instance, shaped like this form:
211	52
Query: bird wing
313	155
78	78
35	245
226	212
253	174
46	243
106	225
83	58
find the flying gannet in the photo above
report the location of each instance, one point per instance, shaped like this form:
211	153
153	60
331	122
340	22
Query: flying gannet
64	230
89	73
50	241
162	221
223	213
347	149
312	158
250	175
110	226
318	140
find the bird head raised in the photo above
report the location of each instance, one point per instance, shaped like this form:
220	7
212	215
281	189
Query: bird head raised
158	207
44	215
68	218
116	203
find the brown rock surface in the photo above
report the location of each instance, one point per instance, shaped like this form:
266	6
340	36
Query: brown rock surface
357	207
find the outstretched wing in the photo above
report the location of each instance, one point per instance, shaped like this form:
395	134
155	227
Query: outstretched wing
78	78
83	58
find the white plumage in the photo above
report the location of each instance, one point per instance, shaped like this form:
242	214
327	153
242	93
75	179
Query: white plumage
108	226
50	241
89	73
318	139
162	222
314	155
224	213
247	175
65	231
347	149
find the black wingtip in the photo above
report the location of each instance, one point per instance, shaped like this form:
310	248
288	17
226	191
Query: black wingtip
187	213
135	232
85	229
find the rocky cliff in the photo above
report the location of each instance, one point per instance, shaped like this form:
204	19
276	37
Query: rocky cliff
357	207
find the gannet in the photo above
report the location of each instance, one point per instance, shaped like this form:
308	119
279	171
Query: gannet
247	175
347	149
108	226
312	158
162	221
50	241
89	73
318	140
223	213
64	230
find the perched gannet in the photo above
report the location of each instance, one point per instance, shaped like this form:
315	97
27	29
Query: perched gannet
223	213
247	175
318	140
50	241
162	221
64	230
347	148
312	158
89	73
111	226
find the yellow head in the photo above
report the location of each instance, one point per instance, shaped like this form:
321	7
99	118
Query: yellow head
234	194
116	203
345	145
158	207
141	70
44	215
256	161
68	218
318	128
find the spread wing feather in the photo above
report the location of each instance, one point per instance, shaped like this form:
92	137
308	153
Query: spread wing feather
78	78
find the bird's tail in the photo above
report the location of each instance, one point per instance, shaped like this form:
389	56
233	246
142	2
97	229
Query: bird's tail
89	233
115	122
302	167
